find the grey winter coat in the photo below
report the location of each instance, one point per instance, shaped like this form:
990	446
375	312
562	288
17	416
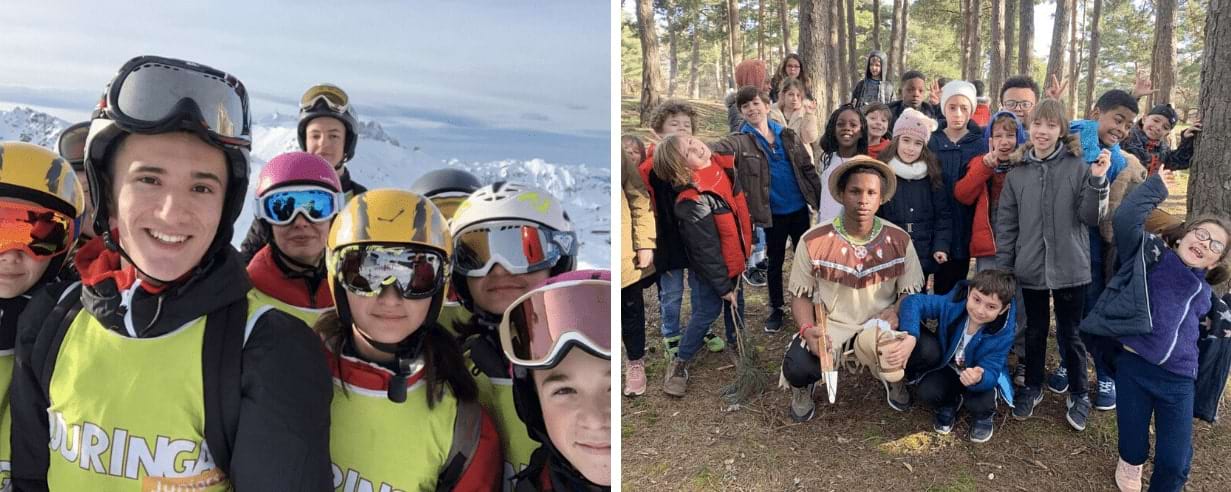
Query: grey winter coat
1046	208
869	90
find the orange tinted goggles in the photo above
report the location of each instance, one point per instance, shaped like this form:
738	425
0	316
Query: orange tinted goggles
38	231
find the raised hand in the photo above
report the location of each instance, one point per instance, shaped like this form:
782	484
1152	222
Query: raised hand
991	159
1100	166
1142	86
935	96
1056	88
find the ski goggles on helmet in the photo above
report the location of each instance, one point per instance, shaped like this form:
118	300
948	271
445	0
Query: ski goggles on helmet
39	232
366	269
519	247
71	145
448	202
153	94
540	326
331	95
280	206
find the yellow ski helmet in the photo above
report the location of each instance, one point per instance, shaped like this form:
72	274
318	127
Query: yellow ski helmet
32	173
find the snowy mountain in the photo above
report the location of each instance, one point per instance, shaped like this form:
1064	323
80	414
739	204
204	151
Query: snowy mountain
382	161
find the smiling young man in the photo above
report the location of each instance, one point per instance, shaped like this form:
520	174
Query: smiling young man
158	370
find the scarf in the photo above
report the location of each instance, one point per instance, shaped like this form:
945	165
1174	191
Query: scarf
1087	131
918	170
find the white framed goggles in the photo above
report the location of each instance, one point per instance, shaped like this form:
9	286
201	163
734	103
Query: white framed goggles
518	246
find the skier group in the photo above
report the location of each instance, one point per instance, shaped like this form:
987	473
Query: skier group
898	193
435	335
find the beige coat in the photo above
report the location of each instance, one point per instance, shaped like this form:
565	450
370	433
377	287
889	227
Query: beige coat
637	229
804	122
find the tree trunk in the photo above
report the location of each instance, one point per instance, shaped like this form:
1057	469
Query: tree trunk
694	90
1209	183
963	42
673	58
1074	62
1162	61
837	29
976	40
1010	42
1092	62
1025	37
996	63
894	68
761	29
651	74
814	49
727	69
876	31
786	28
902	38
733	27
855	71
1059	41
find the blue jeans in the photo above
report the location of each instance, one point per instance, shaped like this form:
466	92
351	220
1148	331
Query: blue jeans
706	307
758	246
1144	389
670	300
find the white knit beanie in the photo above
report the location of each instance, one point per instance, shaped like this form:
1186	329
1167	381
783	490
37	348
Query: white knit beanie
958	88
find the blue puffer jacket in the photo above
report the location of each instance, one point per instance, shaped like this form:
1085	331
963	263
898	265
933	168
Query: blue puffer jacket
988	349
925	214
953	158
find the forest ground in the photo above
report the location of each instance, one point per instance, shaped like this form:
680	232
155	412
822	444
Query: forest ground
858	443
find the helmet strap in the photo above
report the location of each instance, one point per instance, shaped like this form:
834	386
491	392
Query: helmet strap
114	245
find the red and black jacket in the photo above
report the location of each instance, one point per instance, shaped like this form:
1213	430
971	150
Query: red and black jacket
714	223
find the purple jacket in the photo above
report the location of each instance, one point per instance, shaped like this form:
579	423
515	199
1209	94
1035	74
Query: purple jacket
1179	297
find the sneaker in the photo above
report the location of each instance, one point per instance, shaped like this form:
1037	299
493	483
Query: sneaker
982	429
898	396
1106	398
1079	411
756	277
1025	401
942	420
676	382
672	345
634	378
774	323
1058	382
1128	477
714	343
763	265
1019	374
802	407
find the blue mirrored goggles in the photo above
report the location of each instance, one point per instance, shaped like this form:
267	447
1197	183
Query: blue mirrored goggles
279	207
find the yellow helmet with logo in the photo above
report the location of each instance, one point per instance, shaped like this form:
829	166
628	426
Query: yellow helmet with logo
35	174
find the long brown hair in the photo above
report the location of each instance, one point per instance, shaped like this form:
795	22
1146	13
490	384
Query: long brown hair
935	175
781	75
1218	273
669	161
443	363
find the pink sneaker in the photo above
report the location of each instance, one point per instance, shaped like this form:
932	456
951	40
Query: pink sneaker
1128	477
634	378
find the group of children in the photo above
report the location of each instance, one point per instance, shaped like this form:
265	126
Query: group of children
432	337
1052	211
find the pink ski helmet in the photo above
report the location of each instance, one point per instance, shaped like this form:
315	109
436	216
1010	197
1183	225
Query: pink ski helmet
297	168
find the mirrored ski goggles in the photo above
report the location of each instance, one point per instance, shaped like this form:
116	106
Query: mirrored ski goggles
333	96
517	246
366	269
540	326
152	94
71	145
38	231
279	207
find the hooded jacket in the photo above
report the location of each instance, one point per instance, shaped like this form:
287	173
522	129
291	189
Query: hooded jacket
669	249
1046	208
989	348
873	90
981	188
953	158
282	438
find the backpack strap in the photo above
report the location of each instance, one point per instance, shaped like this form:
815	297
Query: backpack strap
221	353
467	428
64	313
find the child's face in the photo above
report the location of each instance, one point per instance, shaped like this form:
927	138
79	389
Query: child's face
1019	100
862	197
495	291
957	111
754	111
848	128
912	93
792	67
387	318
909	149
1114	124
632	152
983	308
1044	134
302	240
576	402
675	124
878	124
696	153
793	99
1198	249
1003	140
1155	126
18	270
874	66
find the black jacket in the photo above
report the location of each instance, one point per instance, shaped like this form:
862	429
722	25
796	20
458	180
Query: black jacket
259	233
927	108
669	247
752	171
925	214
954	158
1137	144
282	438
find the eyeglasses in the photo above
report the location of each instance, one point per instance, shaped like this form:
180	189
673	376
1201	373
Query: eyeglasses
366	269
517	246
280	206
1011	104
541	325
38	231
1216	247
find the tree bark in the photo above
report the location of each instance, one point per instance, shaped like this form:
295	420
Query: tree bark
1162	61
902	38
1010	42
1209	183
996	63
855	72
761	29
976	51
786	28
1092	62
1074	61
876	30
814	49
673	58
894	68
837	69
651	73
1059	41
1025	37
733	27
694	90
964	41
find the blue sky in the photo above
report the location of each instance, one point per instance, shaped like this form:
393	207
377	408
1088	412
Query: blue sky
476	81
